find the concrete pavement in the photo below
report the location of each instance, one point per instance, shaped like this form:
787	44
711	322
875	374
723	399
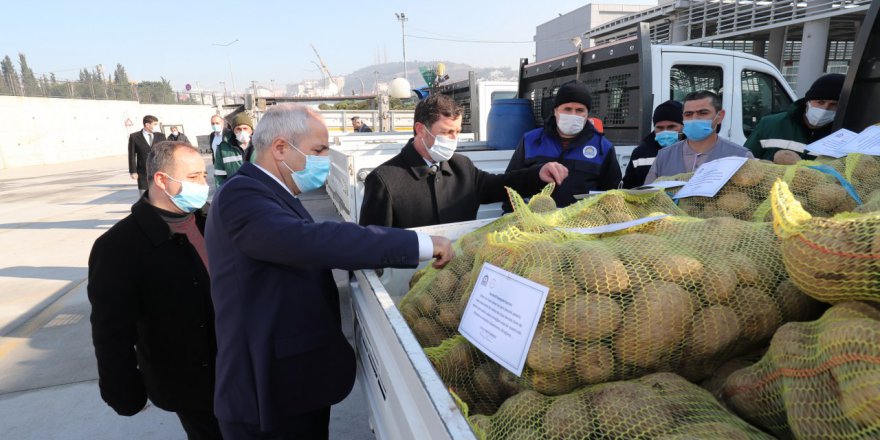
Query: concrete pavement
49	218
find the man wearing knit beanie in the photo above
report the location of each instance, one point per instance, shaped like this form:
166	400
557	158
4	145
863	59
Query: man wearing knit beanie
234	151
781	137
569	138
668	122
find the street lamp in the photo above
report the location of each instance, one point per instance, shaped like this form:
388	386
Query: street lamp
228	60
401	17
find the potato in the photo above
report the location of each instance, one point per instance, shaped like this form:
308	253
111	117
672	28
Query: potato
588	317
525	408
681	269
594	363
552	384
750	174
481	424
425	304
410	313
542	203
444	285
596	268
826	196
428	333
735	203
560	287
758	313
794	304
619	217
654	324
852	310
715	383
860	397
629	409
746	269
417	276
549	352
486	383
449	315
714	329
719	282
508	383
568	417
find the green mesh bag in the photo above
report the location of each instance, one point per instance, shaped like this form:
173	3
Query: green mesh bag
818	380
657	406
746	195
831	259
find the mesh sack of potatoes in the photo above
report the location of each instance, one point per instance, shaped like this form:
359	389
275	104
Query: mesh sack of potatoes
861	171
818	380
831	259
679	294
657	406
746	195
433	306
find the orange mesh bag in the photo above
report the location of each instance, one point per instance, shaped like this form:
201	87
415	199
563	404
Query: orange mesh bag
657	406
746	195
831	259
818	380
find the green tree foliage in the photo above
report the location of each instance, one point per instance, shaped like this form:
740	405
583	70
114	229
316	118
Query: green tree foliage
155	92
402	104
121	84
85	88
11	82
28	80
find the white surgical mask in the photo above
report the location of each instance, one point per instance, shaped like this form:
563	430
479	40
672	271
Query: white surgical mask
243	137
818	117
443	148
570	125
156	128
216	127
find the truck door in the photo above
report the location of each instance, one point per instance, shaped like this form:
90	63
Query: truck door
761	91
685	72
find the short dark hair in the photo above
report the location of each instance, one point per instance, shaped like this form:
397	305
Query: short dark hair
355	118
433	107
703	94
149	119
161	155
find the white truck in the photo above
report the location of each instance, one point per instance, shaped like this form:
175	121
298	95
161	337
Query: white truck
475	97
629	78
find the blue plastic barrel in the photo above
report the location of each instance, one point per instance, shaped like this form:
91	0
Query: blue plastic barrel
508	120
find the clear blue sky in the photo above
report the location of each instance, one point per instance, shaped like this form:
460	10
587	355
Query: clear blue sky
175	39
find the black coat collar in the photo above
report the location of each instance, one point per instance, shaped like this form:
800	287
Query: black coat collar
416	162
152	224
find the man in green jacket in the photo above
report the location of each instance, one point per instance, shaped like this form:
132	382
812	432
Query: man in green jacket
233	151
781	137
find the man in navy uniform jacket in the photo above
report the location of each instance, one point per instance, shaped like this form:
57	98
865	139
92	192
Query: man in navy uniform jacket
282	359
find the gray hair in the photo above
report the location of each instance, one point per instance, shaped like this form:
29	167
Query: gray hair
288	121
162	156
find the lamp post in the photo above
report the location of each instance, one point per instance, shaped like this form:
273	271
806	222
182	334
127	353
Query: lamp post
401	17
228	61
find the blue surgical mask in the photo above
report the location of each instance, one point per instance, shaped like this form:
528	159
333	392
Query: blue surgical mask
314	175
192	195
666	138
217	128
698	129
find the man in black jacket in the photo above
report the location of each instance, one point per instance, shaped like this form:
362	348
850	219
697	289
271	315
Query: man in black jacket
668	122
139	144
152	316
427	183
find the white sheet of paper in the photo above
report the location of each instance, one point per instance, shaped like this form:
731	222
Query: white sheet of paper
664	184
614	227
502	314
867	142
710	177
833	144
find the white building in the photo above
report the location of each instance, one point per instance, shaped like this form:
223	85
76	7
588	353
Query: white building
554	37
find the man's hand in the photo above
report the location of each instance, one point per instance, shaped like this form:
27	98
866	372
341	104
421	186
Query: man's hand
442	251
553	172
134	176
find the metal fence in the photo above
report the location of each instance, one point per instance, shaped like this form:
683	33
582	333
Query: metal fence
152	93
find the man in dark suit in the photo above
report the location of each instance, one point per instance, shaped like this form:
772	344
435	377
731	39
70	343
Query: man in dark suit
282	358
152	318
427	183
139	144
359	126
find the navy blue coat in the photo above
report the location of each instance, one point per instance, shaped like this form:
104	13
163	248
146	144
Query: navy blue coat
280	347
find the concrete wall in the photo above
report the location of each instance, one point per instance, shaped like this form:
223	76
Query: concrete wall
35	131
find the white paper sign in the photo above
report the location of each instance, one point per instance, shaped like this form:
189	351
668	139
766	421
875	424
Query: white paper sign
710	177
664	184
833	144
614	227
867	142
502	314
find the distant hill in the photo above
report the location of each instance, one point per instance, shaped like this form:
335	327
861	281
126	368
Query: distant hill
389	71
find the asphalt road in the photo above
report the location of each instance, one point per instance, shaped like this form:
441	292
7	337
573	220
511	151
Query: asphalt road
49	217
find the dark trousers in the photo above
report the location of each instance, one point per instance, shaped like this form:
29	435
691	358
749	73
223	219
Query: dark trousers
200	425
309	426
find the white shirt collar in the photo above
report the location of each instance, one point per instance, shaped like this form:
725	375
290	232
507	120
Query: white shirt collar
275	179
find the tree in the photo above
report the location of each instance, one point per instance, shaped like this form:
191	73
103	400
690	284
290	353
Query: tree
156	92
28	80
121	84
10	76
84	87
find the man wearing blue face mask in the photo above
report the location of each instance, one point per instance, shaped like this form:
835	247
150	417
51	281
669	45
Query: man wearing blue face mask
667	131
152	317
428	184
702	117
282	358
781	137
